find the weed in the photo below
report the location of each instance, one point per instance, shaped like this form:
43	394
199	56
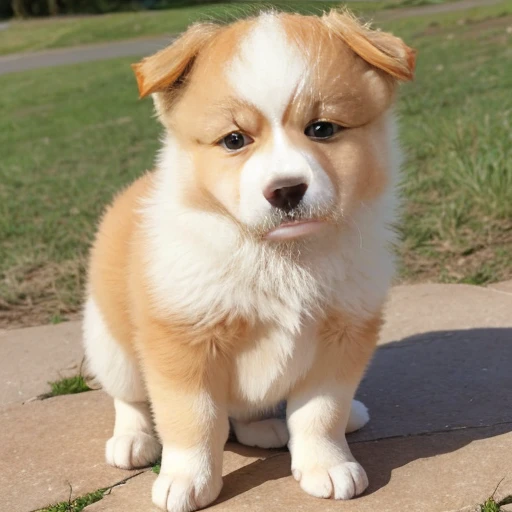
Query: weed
78	504
68	386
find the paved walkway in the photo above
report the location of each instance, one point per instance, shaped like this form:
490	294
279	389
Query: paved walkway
140	47
76	54
438	390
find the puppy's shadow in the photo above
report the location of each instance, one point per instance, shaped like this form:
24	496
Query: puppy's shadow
418	388
272	465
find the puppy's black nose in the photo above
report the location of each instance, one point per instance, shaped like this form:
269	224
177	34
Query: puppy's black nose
286	198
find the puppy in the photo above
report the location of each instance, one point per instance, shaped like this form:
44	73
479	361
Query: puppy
252	265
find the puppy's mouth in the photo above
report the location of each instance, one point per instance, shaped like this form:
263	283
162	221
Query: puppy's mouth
299	223
297	228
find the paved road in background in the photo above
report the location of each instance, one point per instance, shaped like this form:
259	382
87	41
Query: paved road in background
140	47
76	54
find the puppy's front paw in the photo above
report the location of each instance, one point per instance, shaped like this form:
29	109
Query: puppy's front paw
182	493
341	482
133	450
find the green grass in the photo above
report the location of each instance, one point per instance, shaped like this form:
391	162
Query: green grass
68	386
76	505
57	319
39	34
456	120
75	135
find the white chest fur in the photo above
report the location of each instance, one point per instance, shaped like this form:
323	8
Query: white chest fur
274	361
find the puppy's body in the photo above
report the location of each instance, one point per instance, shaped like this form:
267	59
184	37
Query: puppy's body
211	302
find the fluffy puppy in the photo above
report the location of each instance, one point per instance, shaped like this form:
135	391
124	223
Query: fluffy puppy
252	264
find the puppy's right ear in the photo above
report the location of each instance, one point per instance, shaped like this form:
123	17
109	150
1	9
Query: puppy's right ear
380	49
159	72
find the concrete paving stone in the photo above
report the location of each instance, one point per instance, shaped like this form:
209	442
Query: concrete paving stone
54	448
443	364
136	493
449	366
31	357
439	381
419	308
433	473
504	286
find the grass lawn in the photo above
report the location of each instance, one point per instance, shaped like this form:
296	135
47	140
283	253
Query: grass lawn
72	136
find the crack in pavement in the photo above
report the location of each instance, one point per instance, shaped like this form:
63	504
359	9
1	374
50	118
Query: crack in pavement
106	489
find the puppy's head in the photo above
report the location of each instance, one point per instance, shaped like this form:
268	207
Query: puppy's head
282	115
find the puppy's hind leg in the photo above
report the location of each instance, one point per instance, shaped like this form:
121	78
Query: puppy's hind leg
273	432
358	418
133	443
265	433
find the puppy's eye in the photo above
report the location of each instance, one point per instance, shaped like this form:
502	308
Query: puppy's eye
235	141
321	130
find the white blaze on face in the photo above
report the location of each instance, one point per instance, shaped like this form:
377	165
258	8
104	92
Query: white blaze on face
268	68
266	73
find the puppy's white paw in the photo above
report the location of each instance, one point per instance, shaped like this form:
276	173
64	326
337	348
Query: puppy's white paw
359	416
183	493
341	482
133	450
271	433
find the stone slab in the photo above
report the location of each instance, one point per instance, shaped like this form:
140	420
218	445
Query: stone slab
443	362
137	492
504	286
438	473
439	381
54	449
420	308
31	357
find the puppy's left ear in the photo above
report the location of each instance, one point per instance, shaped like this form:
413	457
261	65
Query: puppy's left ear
167	68
380	49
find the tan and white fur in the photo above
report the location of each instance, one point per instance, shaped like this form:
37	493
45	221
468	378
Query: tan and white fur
207	303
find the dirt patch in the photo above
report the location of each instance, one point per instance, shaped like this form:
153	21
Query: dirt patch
425	10
472	29
23	315
498	30
35	294
483	262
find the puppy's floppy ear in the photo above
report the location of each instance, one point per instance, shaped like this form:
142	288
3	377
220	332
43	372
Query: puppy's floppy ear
380	49
158	72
